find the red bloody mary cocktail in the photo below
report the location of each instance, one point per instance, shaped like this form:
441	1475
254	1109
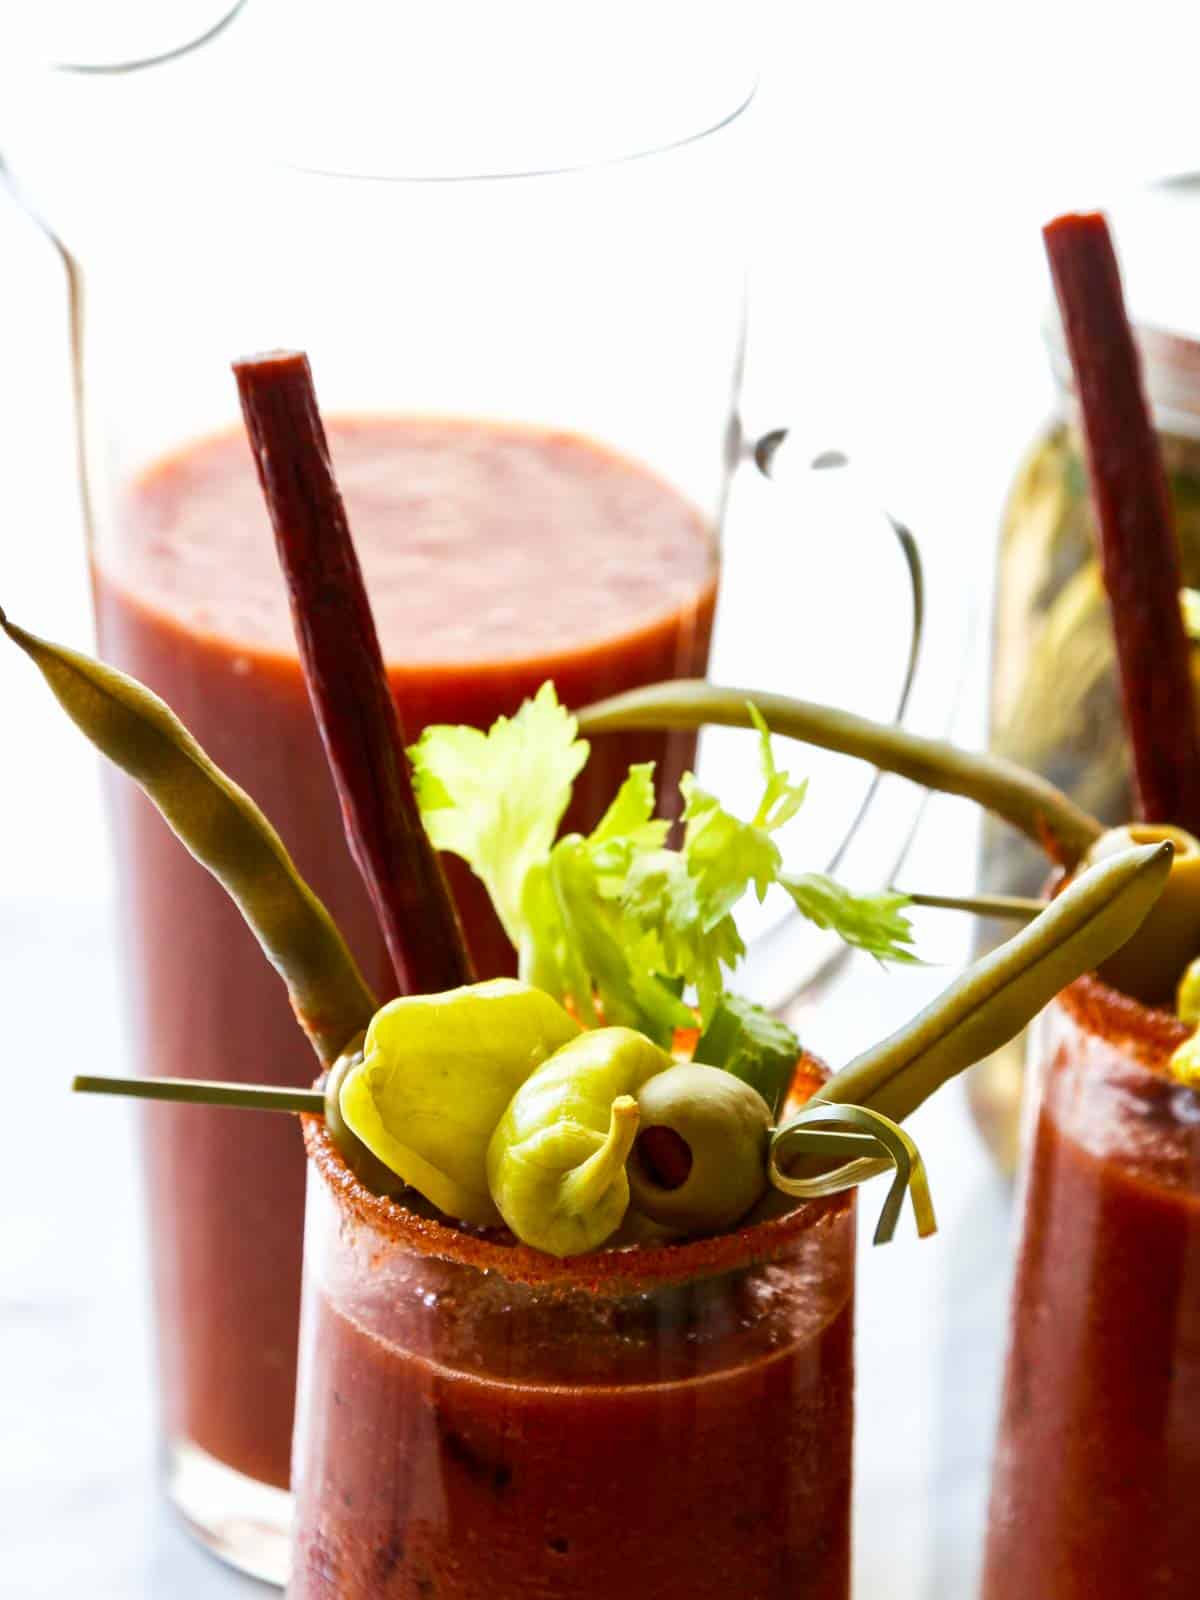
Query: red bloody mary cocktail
477	1419
1097	1474
497	557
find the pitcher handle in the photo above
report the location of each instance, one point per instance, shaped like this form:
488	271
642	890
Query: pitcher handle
790	962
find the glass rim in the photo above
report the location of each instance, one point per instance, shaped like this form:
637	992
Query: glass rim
158	57
727	111
633	1269
529	173
1150	1034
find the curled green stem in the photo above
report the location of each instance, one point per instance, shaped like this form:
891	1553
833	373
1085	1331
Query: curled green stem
875	1144
1022	798
223	828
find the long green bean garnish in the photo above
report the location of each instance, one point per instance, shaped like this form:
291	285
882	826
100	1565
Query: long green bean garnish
223	828
1022	798
988	1006
1002	993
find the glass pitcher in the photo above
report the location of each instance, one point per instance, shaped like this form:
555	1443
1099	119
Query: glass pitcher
518	269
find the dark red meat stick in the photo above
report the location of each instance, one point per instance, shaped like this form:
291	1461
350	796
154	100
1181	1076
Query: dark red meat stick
1139	553
344	670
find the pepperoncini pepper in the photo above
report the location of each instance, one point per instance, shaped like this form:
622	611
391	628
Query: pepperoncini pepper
556	1161
436	1076
363	1163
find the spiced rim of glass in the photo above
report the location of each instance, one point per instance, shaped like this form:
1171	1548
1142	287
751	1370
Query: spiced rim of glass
1151	1034
613	1272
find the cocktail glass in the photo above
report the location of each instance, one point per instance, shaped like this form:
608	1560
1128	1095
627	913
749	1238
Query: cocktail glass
1097	1470
478	1419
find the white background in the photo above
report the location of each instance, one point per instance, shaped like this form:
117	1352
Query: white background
907	155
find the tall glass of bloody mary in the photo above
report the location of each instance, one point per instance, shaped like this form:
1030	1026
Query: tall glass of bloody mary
1097	1469
476	1418
1098	1463
530	383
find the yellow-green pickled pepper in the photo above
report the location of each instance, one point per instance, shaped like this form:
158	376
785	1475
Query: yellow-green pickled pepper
363	1163
556	1162
436	1076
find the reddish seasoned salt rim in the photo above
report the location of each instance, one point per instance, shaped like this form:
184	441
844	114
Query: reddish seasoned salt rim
1150	1034
631	1270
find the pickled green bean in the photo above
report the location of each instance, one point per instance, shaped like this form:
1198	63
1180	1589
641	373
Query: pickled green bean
1001	994
1022	798
223	828
985	1008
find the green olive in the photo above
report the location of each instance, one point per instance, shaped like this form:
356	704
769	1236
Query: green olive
367	1168
1150	966
700	1160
